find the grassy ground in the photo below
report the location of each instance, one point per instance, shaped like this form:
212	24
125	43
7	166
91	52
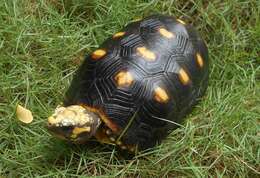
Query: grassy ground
43	41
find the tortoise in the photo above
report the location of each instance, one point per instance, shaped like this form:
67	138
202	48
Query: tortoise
137	87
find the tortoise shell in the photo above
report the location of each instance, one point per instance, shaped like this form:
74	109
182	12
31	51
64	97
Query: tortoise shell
143	80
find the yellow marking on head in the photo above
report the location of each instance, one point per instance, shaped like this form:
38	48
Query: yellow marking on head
199	60
166	33
184	77
78	130
147	54
99	53
181	21
160	95
124	79
71	115
118	34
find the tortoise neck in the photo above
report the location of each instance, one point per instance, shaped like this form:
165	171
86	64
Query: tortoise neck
94	121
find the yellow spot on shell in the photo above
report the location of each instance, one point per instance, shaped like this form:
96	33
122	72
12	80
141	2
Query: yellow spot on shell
181	21
199	60
184	77
160	95
147	54
124	79
99	53
78	130
166	33
118	34
23	114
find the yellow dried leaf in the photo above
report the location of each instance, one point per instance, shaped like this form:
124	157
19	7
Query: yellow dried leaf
24	115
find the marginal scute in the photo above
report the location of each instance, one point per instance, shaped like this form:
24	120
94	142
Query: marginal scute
98	54
199	60
146	54
166	33
124	79
184	78
160	95
118	34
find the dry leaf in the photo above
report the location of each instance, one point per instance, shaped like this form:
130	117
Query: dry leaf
23	114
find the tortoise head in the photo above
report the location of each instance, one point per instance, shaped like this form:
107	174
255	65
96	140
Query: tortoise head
73	123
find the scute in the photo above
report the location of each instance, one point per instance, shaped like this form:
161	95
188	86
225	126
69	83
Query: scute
158	51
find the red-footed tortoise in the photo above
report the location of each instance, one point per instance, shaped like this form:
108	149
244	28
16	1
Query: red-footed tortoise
137	87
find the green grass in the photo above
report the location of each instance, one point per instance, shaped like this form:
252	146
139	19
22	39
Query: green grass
41	45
